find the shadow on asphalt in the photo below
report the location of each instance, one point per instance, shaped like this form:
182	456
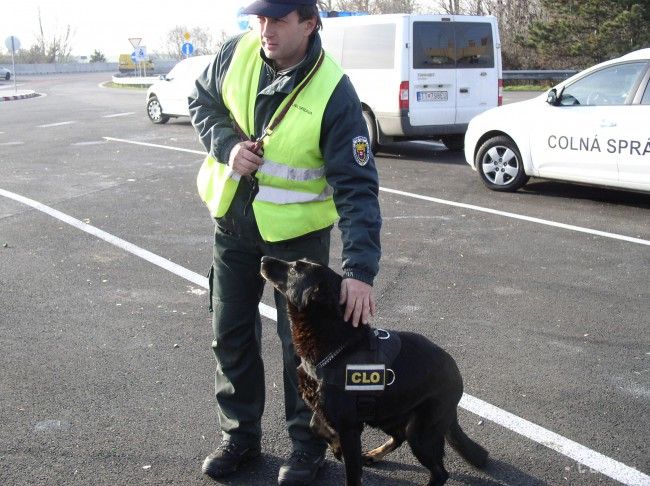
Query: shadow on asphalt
591	193
422	151
264	471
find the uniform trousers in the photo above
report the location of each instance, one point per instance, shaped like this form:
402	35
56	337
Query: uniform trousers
236	290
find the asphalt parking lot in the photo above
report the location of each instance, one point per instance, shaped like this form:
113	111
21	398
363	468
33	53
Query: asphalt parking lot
542	297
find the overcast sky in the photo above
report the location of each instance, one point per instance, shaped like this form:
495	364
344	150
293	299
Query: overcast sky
107	25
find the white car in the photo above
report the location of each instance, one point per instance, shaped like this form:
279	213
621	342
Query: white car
5	73
593	128
167	97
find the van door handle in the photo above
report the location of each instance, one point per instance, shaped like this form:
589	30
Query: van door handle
464	90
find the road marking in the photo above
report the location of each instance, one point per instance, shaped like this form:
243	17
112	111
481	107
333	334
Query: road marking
56	124
4	144
522	217
570	227
119	114
594	460
166	147
90	142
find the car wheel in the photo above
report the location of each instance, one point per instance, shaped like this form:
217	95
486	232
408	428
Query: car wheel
8	76
154	110
372	130
500	166
455	143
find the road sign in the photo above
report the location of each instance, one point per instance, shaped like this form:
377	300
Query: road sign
135	41
187	36
12	43
187	49
140	54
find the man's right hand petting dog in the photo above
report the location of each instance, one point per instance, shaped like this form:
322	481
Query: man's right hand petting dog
398	382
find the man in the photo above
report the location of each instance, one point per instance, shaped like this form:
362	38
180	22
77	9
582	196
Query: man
288	155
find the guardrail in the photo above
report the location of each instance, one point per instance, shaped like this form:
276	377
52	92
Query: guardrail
532	75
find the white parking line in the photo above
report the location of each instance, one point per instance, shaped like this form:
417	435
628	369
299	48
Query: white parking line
56	124
594	460
530	219
519	216
119	114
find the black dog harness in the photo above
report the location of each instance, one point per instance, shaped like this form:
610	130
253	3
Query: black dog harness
364	369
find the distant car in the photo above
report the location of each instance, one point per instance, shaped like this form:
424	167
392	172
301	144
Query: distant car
167	97
591	128
5	73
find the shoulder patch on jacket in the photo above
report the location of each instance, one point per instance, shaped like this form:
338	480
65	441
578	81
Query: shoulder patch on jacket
361	150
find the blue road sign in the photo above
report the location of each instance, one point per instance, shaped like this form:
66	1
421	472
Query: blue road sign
134	57
187	49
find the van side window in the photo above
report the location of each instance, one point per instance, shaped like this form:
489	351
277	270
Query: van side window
474	45
433	45
363	39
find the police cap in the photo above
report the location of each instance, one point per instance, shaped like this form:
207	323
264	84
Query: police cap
275	8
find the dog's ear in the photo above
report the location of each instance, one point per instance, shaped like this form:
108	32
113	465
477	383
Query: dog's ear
301	297
308	295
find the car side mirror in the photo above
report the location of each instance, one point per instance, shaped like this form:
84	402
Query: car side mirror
552	98
162	77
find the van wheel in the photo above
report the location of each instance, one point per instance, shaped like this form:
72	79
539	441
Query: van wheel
372	130
500	166
154	110
455	143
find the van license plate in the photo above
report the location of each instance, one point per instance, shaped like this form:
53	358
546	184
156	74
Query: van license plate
432	96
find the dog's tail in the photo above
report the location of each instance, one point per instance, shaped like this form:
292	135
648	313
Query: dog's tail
466	447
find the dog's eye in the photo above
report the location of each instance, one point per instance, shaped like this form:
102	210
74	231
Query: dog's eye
292	270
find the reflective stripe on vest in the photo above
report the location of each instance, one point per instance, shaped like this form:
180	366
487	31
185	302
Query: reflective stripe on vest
294	197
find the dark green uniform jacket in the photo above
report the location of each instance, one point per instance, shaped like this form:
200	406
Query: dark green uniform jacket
355	186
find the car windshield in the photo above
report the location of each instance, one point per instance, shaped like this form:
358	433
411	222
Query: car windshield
607	86
189	68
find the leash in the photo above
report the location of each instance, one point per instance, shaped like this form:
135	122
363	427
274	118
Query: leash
268	131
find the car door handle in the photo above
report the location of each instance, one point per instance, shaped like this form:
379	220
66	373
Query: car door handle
607	123
464	90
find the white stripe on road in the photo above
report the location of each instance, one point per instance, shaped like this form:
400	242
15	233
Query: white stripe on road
594	460
5	144
56	124
570	227
579	453
166	147
519	216
119	114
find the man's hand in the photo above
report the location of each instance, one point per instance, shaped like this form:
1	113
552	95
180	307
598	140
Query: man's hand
245	158
359	300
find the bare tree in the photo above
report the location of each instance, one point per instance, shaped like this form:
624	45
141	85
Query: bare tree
56	49
394	6
199	37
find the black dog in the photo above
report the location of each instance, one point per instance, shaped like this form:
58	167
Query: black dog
398	382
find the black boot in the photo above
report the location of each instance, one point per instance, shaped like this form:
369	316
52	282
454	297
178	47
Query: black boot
300	469
227	458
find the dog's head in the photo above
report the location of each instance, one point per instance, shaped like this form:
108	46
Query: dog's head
303	282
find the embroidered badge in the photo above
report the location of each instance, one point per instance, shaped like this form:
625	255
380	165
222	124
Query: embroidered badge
365	377
361	150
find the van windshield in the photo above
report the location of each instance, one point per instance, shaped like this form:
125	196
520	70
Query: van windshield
450	45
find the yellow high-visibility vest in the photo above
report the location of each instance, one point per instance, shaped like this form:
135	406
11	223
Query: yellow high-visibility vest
294	198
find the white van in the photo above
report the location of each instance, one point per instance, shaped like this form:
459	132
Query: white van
419	76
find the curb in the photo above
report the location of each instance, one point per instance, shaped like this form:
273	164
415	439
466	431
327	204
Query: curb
19	97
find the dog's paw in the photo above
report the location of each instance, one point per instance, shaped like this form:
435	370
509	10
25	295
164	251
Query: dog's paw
337	453
368	459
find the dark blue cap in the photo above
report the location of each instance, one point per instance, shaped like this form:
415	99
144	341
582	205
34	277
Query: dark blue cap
275	8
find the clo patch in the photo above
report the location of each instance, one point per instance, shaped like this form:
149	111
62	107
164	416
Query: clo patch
361	150
365	377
